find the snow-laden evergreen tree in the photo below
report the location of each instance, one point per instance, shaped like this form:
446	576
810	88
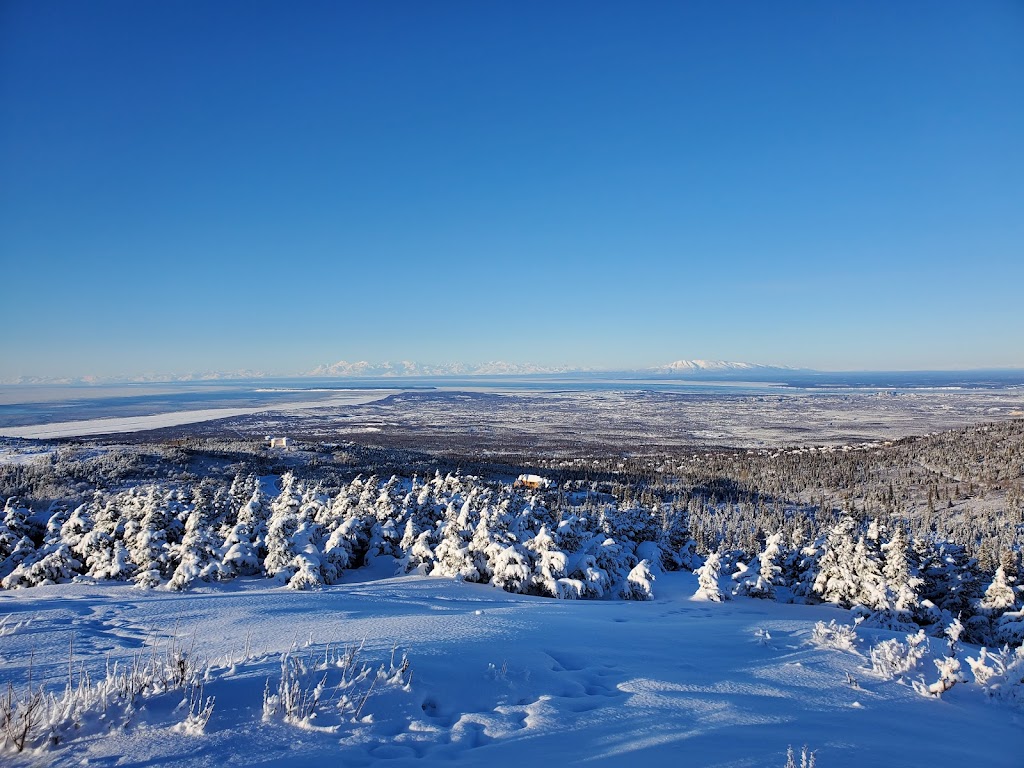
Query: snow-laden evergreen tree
570	533
239	554
676	542
867	571
15	543
421	556
615	560
405	544
106	525
52	563
511	568
639	583
307	565
999	596
453	556
769	572
804	568
16	518
985	626
95	549
150	550
75	530
55	564
284	522
836	581
549	563
743	572
897	572
707	579
950	579
338	554
948	667
197	554
1009	628
240	495
484	545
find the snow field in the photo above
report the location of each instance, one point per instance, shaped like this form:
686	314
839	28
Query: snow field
496	679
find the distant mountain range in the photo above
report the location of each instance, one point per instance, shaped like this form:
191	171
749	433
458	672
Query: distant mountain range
498	368
708	370
717	366
144	378
407	368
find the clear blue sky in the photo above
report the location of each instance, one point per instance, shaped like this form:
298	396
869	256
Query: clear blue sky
273	185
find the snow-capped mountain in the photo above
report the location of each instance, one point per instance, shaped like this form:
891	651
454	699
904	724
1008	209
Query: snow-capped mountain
716	366
141	378
344	368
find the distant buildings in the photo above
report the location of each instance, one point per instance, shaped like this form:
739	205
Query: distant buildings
534	482
280	442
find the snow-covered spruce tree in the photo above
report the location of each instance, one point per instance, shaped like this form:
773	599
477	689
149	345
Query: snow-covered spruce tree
769	572
240	495
836	581
804	566
315	506
405	544
484	545
897	572
284	522
76	531
707	580
52	563
949	579
149	549
615	560
676	543
101	549
55	564
388	507
949	669
1009	628
549	563
16	518
639	583
307	563
999	598
512	570
197	553
338	553
239	554
453	556
15	543
871	588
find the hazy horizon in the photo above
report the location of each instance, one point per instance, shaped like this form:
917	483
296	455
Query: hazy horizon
456	371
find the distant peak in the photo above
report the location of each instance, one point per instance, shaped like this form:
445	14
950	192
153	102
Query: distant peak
343	369
710	366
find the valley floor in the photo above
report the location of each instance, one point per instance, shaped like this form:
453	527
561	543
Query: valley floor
496	679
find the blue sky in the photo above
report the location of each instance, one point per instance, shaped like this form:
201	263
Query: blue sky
269	185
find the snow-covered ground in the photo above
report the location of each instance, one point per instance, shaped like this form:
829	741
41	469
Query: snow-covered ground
569	423
494	679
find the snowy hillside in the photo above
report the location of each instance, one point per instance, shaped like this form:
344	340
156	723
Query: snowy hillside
133	631
491	679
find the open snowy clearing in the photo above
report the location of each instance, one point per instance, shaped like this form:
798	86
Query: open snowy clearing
174	419
494	679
